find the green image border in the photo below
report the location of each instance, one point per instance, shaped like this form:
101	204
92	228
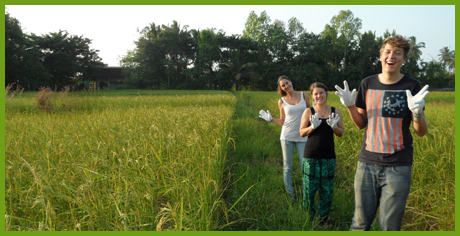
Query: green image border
198	2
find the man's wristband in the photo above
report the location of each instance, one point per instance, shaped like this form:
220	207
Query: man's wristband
417	116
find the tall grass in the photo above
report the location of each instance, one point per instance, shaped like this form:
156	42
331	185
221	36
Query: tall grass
431	203
257	170
136	162
191	160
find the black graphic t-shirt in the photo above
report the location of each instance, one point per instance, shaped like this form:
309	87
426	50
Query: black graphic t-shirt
387	138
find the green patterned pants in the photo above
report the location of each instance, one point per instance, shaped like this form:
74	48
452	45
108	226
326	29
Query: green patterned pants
318	175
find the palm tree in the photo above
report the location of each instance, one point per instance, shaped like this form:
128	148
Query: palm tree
415	51
176	41
151	32
447	57
451	63
238	67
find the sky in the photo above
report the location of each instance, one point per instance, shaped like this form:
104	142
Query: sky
114	28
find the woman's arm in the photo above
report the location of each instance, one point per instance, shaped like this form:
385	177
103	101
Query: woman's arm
305	128
340	129
280	121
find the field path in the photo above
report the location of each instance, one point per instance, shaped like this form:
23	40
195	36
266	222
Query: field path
256	180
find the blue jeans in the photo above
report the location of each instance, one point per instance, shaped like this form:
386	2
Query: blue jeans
388	187
288	157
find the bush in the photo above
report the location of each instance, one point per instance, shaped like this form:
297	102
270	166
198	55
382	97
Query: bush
45	99
9	92
48	101
103	84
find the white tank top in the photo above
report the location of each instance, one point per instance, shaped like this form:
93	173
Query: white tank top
293	116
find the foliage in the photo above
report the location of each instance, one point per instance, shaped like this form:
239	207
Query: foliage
51	60
67	58
436	76
45	99
176	57
10	92
22	59
52	101
447	57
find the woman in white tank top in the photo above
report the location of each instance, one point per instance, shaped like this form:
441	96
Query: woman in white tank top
292	105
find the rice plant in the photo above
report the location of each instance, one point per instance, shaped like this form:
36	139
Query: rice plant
138	162
257	170
190	160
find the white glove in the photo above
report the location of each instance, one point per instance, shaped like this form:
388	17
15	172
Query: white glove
315	121
333	120
347	98
417	102
265	115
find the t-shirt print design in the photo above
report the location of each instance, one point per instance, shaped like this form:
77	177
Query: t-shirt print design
385	113
394	104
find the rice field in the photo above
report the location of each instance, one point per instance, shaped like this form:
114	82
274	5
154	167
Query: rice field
189	160
133	161
258	166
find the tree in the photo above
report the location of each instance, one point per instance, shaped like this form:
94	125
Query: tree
144	66
295	28
437	76
176	41
447	57
175	57
22	59
313	61
347	28
279	42
415	53
388	34
334	51
256	27
67	58
412	66
209	54
364	60
238	65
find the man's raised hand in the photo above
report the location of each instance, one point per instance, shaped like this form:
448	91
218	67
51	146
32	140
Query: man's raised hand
417	102
347	98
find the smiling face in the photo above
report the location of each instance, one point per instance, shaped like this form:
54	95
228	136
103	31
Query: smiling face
392	59
319	95
285	85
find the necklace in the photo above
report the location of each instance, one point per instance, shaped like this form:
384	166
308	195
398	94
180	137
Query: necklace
322	113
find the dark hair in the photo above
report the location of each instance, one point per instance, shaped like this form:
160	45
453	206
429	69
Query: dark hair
318	85
397	41
279	90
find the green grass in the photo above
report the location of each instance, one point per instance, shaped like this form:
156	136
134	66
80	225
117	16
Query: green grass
431	204
190	160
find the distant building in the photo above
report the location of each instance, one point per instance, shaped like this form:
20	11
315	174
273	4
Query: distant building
112	75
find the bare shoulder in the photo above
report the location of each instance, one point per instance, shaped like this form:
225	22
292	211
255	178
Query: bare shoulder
280	103
307	112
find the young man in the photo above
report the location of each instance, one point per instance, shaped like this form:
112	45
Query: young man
386	108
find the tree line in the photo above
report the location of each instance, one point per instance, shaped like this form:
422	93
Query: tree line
175	57
54	60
